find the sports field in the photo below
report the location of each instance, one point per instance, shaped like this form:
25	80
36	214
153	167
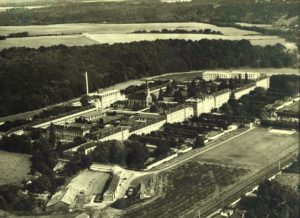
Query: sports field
253	150
13	167
91	182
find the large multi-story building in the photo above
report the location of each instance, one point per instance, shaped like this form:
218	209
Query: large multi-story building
140	100
213	75
104	99
69	132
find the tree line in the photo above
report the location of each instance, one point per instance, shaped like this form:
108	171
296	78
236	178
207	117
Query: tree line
154	11
181	31
34	78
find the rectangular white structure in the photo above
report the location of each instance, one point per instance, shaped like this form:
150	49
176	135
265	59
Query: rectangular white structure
213	75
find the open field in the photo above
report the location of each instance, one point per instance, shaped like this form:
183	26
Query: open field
91	182
94	28
187	185
36	42
253	150
88	34
90	39
127	38
13	167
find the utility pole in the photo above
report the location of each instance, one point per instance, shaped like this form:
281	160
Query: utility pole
199	213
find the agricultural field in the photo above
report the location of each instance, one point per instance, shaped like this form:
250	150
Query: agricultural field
36	42
253	150
91	39
88	34
93	28
127	38
189	185
13	167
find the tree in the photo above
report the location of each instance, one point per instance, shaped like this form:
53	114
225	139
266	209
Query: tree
137	154
162	150
260	91
174	85
154	98
199	142
84	100
153	108
169	90
161	95
240	79
178	96
233	104
192	89
116	152
40	185
223	84
136	107
246	78
231	84
52	136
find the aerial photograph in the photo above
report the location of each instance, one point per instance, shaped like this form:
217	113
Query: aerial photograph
149	108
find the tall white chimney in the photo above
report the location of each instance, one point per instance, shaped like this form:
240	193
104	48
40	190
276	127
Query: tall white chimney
86	82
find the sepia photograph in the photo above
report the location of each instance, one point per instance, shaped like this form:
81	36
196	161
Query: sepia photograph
149	108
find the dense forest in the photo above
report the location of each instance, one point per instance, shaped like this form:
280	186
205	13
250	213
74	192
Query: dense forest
272	200
152	11
33	78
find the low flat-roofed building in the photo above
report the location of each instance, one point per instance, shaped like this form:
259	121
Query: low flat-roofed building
94	115
110	194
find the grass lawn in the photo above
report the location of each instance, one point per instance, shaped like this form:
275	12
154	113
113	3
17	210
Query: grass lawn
253	150
13	167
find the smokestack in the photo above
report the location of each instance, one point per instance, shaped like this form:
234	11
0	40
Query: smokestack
86	82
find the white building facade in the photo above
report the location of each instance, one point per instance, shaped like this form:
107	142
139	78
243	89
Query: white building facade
213	75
